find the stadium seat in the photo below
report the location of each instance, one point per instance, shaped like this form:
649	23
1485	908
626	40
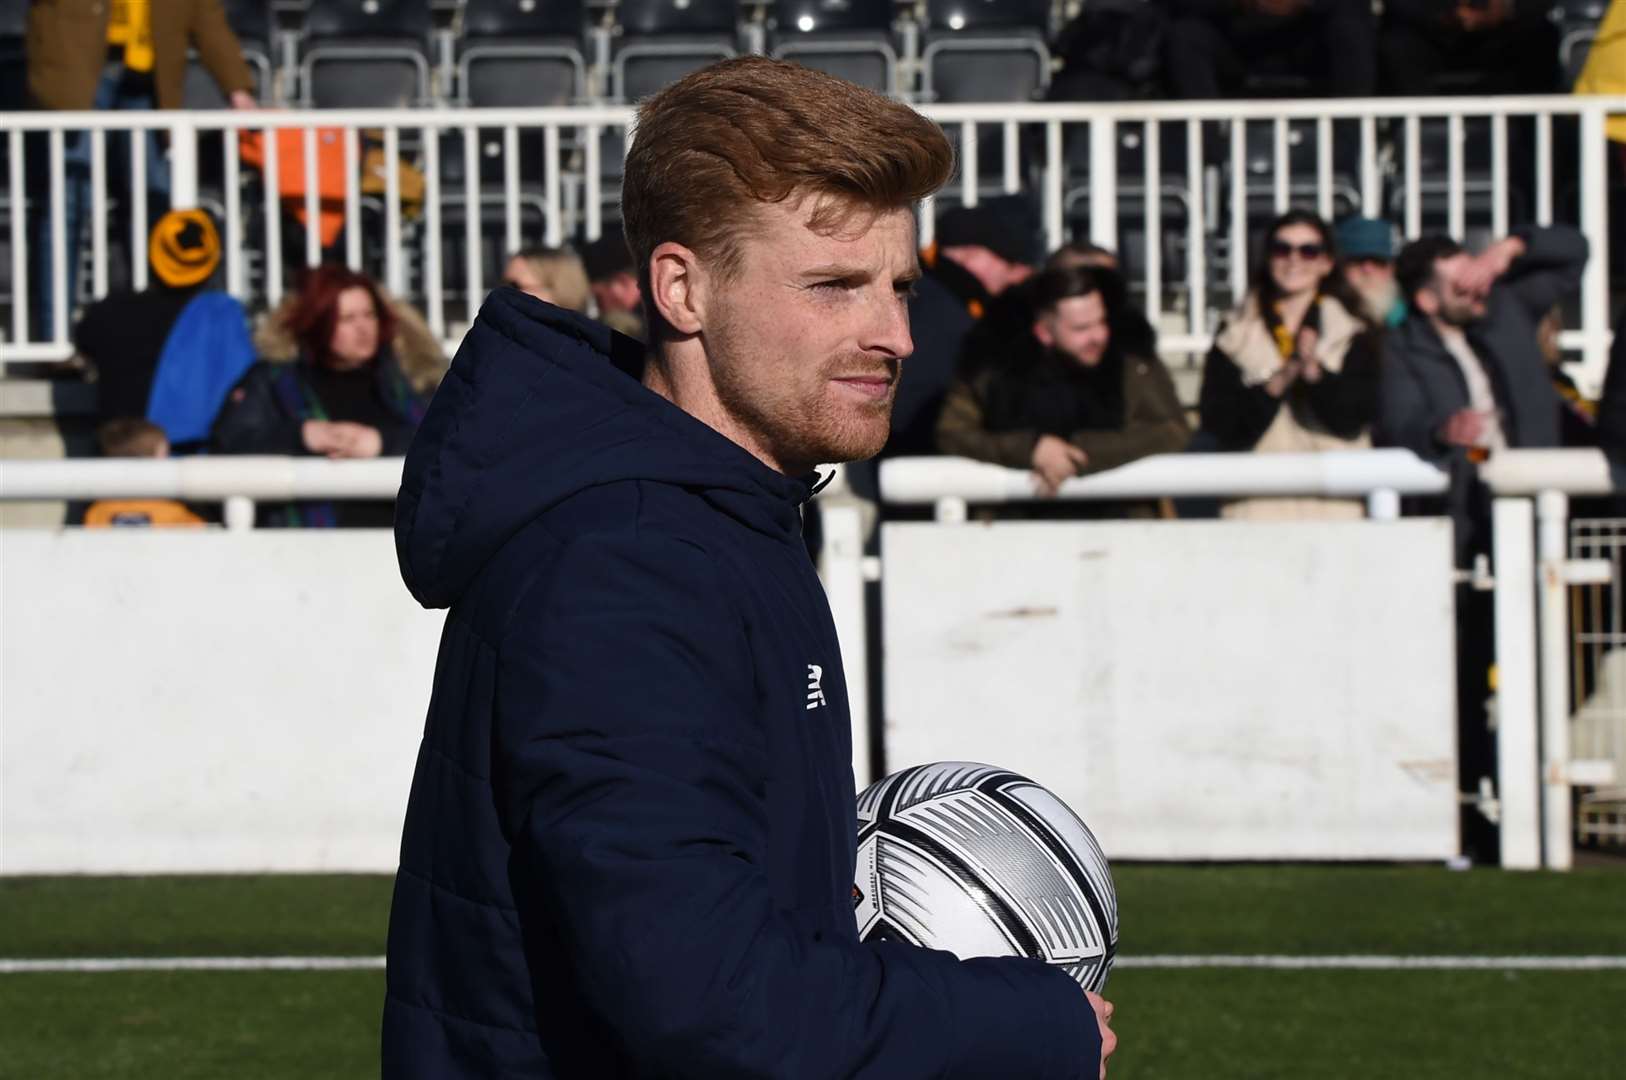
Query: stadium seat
983	50
848	38
663	40
1578	22
365	54
13	68
521	53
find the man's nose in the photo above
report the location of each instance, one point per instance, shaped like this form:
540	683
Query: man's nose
888	331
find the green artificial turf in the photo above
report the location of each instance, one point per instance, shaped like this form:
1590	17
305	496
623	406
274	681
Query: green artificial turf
191	1025
1206	1024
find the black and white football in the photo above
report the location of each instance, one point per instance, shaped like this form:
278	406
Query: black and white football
980	861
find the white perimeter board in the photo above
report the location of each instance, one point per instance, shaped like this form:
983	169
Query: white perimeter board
1195	690
206	701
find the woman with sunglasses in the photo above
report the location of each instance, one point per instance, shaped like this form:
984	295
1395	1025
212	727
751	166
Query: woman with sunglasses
1295	367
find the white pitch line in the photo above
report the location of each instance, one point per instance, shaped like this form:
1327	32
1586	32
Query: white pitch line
196	963
1380	963
1163	963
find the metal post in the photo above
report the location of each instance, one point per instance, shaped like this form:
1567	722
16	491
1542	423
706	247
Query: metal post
1516	752
842	569
1595	224
183	160
1552	515
1383	504
238	513
1104	182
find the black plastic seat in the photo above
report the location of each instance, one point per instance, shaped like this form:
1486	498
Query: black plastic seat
518	53
1578	22
986	50
366	54
851	39
663	40
13	57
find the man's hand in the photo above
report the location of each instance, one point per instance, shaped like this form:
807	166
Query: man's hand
1479	273
1466	427
242	99
1054	460
1103	1019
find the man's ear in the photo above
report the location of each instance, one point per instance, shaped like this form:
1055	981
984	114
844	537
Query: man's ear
1041	330
676	287
1425	300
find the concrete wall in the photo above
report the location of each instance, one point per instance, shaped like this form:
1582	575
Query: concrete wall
216	702
1219	690
206	701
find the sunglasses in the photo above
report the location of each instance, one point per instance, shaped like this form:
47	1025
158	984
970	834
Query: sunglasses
1281	249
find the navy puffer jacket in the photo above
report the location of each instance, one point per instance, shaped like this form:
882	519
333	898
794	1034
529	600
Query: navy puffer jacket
629	848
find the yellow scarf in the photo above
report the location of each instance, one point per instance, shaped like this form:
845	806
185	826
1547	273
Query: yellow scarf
129	23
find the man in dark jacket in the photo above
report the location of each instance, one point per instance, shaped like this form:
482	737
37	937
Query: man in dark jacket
631	840
1462	377
1069	399
1464	374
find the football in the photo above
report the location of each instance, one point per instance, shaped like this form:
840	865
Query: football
979	861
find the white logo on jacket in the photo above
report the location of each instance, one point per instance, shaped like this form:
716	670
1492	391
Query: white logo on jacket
815	686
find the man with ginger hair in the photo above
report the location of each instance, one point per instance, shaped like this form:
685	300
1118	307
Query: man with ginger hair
630	844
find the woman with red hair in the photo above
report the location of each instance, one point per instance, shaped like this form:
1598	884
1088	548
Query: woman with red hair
343	373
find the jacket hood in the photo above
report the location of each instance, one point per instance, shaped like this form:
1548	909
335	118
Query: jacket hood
539	404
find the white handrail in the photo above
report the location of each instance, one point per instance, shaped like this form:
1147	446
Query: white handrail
904	481
997	112
205	479
1531	472
1340	474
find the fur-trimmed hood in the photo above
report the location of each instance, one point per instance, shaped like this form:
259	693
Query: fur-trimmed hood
422	360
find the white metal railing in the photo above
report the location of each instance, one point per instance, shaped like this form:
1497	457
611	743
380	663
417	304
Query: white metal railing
1189	180
1379	476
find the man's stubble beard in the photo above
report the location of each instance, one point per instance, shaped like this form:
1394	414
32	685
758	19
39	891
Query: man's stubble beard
1379	300
799	433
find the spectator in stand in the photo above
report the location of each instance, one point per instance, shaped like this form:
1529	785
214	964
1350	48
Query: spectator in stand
612	276
1490	46
1214	46
1295	368
1135	334
1367	265
1464	375
115	54
1068	400
132	438
343	373
171	352
1112	50
964	301
555	275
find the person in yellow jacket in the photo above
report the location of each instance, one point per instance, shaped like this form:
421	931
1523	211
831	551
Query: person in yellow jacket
1605	68
114	54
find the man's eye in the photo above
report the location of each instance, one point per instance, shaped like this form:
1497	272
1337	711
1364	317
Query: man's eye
905	292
